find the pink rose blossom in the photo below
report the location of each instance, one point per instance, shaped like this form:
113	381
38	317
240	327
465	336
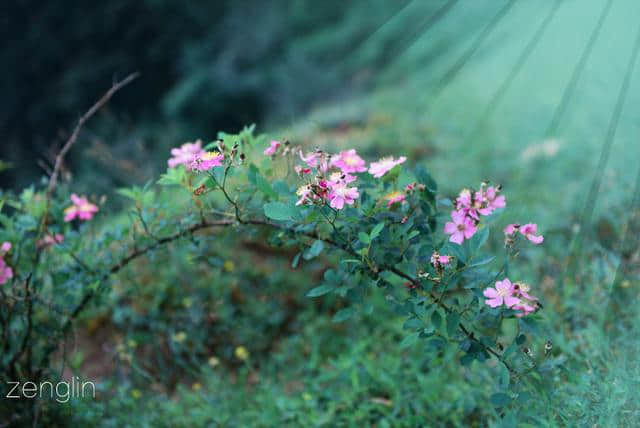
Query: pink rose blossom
395	198
502	294
461	228
529	231
311	159
6	273
206	161
48	240
81	209
510	229
528	303
185	154
340	194
5	248
273	148
349	161
380	168
438	261
302	170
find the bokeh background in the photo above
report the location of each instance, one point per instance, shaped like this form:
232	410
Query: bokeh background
541	96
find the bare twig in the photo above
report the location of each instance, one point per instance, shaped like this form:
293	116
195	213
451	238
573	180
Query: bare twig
53	179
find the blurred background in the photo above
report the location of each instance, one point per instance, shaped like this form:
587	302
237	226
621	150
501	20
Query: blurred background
541	96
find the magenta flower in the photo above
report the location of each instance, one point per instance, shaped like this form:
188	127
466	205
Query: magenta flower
494	200
81	209
185	154
529	231
380	168
206	161
461	228
5	248
349	161
273	148
502	294
340	194
302	170
463	201
528	303
395	198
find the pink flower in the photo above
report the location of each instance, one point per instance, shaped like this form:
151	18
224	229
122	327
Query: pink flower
461	228
495	201
185	154
394	198
302	170
510	229
528	303
273	148
380	168
502	294
340	194
5	248
48	240
349	161
81	209
438	261
529	231
464	199
206	161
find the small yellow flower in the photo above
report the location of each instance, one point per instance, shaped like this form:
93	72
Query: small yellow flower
242	353
229	266
135	393
180	336
213	361
196	386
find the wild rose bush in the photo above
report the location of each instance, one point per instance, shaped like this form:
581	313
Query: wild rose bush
383	224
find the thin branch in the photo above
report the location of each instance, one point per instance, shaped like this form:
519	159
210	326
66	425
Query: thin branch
53	179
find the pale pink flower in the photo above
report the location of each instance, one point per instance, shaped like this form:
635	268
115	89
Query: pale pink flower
81	209
206	161
185	154
5	248
273	148
340	194
502	294
510	229
349	161
464	199
380	168
395	198
522	290
311	159
495	201
529	231
524	309
461	228
410	187
48	240
338	176
305	193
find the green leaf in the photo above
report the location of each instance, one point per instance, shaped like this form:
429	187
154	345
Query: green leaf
479	239
314	250
364	238
295	261
436	319
376	231
500	399
453	319
481	260
409	340
343	315
279	211
321	290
